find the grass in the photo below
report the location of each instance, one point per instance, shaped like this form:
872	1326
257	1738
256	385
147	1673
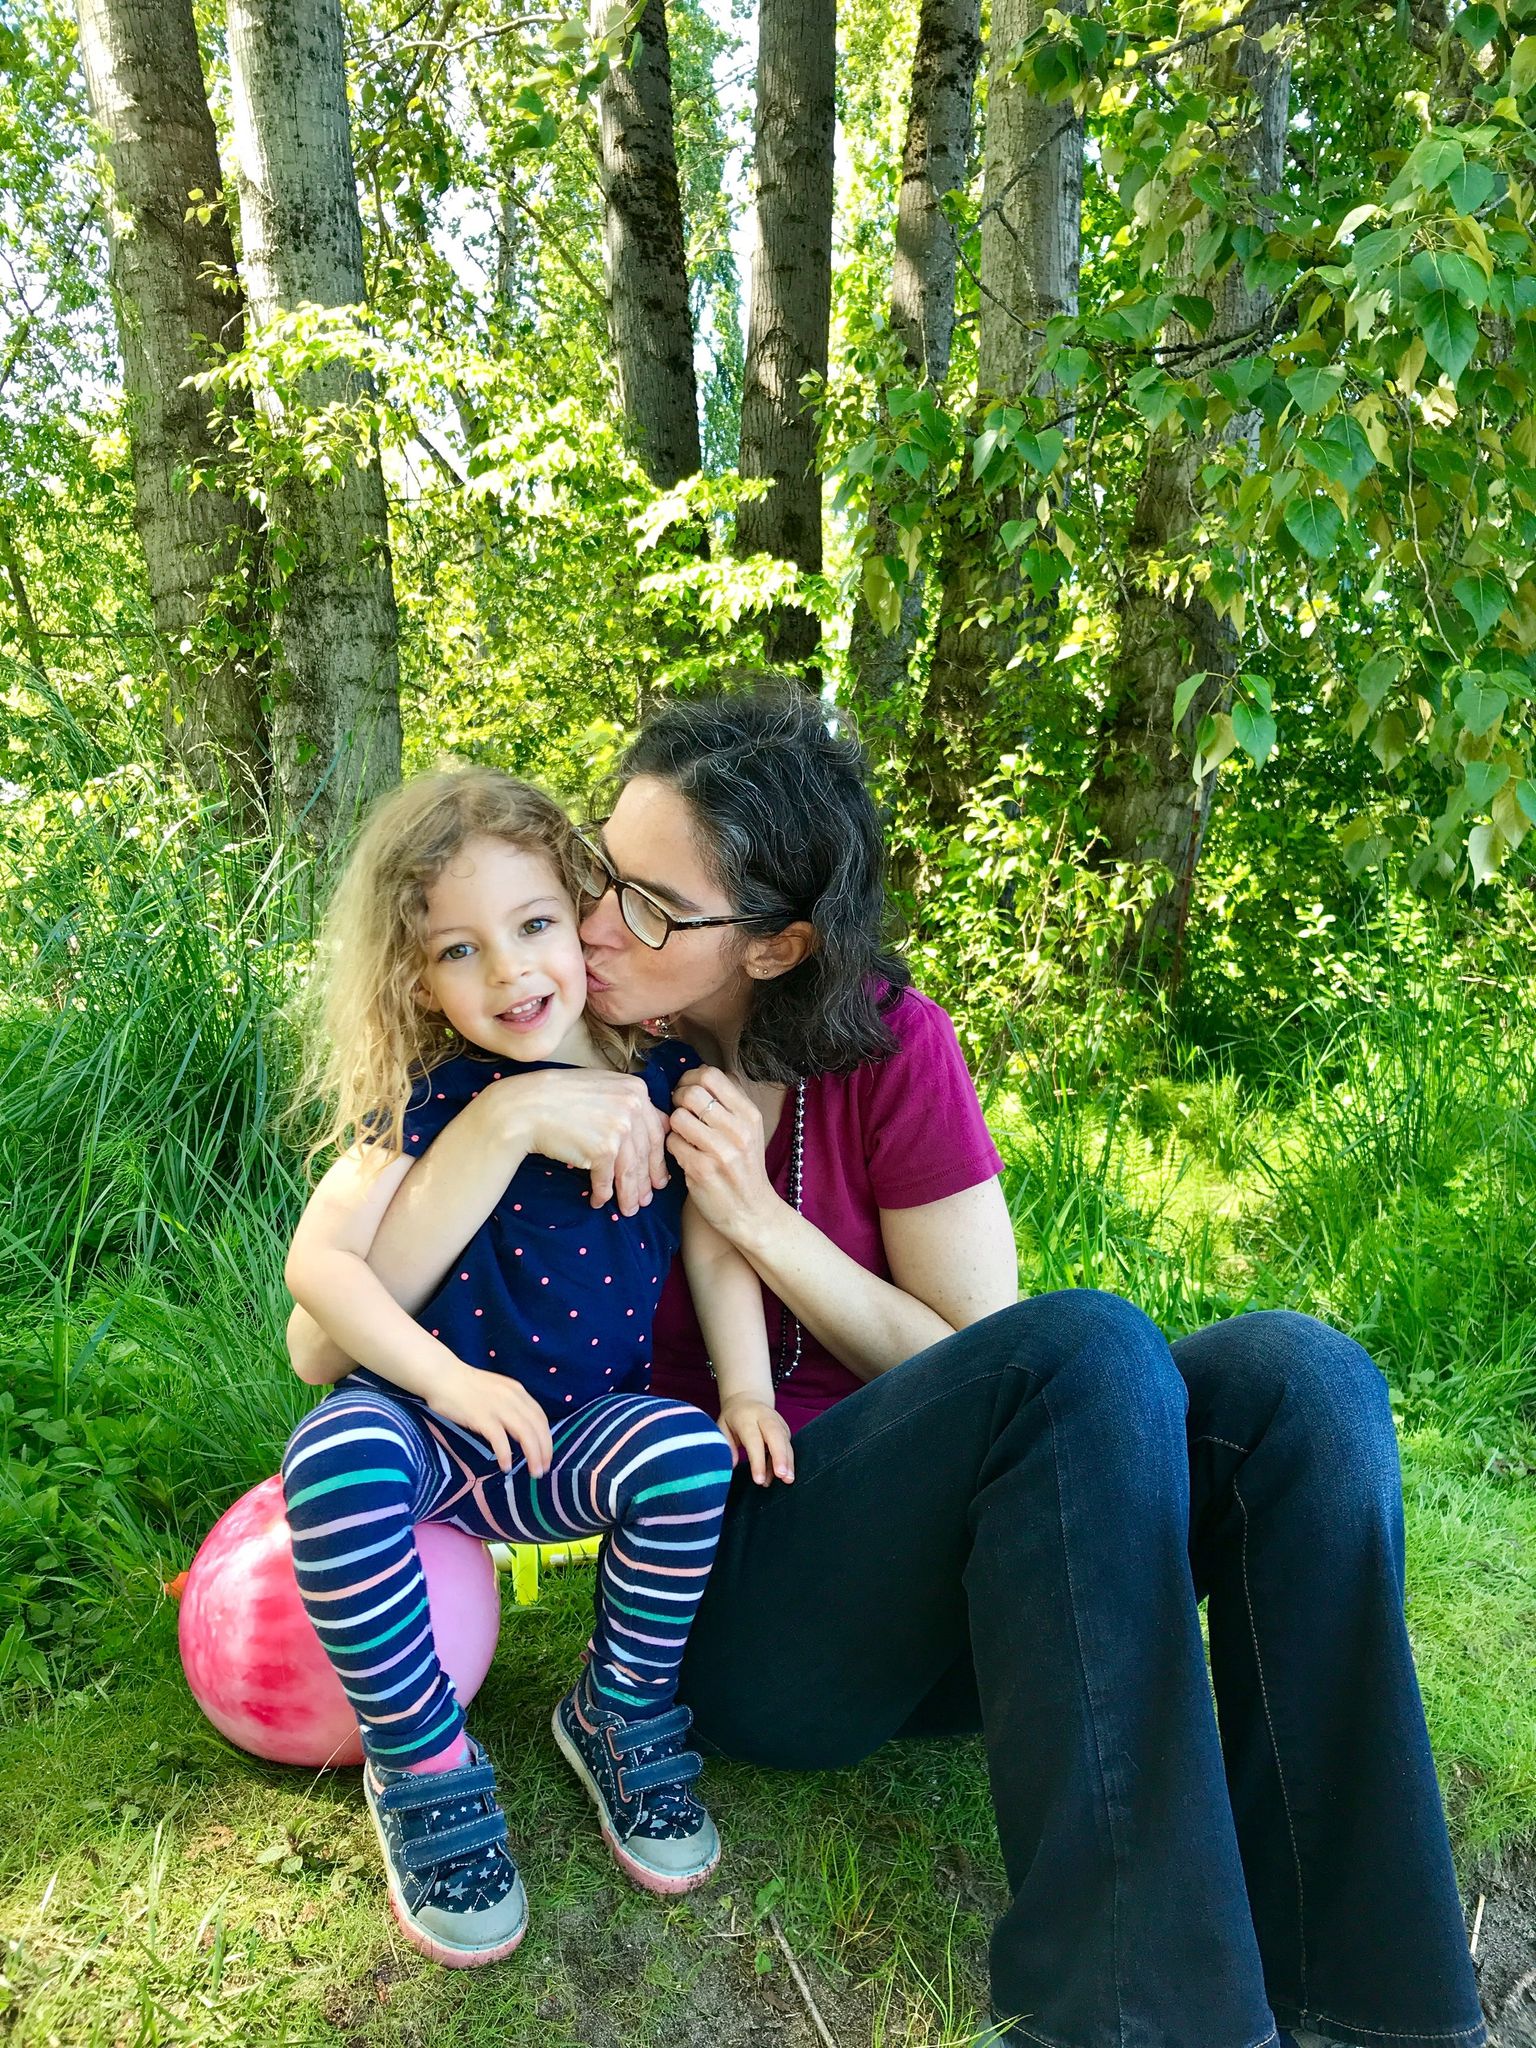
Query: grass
156	1886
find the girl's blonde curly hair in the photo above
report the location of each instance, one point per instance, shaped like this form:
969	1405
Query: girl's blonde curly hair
368	1039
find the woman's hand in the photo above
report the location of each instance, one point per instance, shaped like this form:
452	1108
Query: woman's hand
499	1411
756	1431
717	1139
585	1117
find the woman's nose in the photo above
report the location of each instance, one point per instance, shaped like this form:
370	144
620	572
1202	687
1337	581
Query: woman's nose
602	925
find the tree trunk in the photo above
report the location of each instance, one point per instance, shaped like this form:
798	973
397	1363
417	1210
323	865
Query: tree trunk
176	304
1031	236
649	319
791	298
1143	798
336	718
26	620
933	163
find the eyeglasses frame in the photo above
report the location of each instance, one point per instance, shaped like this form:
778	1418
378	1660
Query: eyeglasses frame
617	883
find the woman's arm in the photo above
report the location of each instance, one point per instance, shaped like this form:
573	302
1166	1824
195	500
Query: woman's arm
952	1261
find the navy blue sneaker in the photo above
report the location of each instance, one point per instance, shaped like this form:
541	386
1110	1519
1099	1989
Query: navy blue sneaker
453	1885
638	1774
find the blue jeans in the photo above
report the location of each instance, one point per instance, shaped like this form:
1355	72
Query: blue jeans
1014	1530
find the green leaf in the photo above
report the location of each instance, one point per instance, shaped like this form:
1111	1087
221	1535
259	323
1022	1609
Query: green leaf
1383	250
1477	26
1014	532
1092	35
1432	162
1042	451
1070	367
1255	730
1448	270
1449	330
1378	676
881	594
1315	522
1522	66
1471	187
1526	793
913	460
984	450
1342	452
1184	695
1482	598
1197	314
1313	389
1484	780
1485	849
1478	706
1356	217
1153	395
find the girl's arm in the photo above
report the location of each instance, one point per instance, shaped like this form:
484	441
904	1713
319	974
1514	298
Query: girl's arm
729	1303
604	1122
327	1273
952	1261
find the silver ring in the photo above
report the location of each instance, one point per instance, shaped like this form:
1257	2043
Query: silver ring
703	1114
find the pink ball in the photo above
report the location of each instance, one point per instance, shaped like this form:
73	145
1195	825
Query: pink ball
253	1660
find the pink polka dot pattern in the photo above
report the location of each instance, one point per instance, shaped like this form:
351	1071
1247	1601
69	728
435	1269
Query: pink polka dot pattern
496	1293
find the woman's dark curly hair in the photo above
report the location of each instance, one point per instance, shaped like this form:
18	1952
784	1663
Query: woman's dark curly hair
789	830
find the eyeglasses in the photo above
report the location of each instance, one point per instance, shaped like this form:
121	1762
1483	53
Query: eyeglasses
651	922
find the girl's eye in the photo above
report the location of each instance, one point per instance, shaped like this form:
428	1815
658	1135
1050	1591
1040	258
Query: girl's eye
534	925
459	950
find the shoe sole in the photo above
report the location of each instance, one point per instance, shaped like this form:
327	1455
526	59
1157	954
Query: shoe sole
451	1957
667	1884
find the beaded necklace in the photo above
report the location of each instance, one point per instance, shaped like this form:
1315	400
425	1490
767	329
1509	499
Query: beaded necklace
791	1342
791	1335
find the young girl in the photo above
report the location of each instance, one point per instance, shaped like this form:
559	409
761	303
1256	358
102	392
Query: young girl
515	1406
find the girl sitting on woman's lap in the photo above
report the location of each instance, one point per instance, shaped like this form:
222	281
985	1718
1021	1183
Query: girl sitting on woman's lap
515	1404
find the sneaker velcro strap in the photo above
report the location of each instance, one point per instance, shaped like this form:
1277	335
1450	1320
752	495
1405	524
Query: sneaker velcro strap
437	1788
666	1770
643	1734
450	1843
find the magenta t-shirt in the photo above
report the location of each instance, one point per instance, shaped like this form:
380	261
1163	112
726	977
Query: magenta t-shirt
894	1134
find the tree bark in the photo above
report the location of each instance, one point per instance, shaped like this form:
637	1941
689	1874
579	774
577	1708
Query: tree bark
26	620
791	298
650	322
1143	798
336	715
934	161
177	304
1031	238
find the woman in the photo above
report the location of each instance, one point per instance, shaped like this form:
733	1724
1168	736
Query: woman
1002	1517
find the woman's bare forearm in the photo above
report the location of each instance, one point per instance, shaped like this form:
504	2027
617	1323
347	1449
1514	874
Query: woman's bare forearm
867	1323
952	1262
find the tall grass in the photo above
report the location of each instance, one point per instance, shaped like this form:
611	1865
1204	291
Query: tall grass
143	1045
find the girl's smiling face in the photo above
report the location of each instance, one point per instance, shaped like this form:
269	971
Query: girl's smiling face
504	962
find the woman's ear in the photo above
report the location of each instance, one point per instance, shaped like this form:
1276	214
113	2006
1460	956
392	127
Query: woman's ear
766	959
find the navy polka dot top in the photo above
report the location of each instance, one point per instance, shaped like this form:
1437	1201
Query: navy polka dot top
555	1293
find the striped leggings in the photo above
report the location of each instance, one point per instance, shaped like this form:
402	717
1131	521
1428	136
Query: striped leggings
370	1462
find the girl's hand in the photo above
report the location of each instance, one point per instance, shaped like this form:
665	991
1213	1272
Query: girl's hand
717	1139
756	1430
498	1410
604	1122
